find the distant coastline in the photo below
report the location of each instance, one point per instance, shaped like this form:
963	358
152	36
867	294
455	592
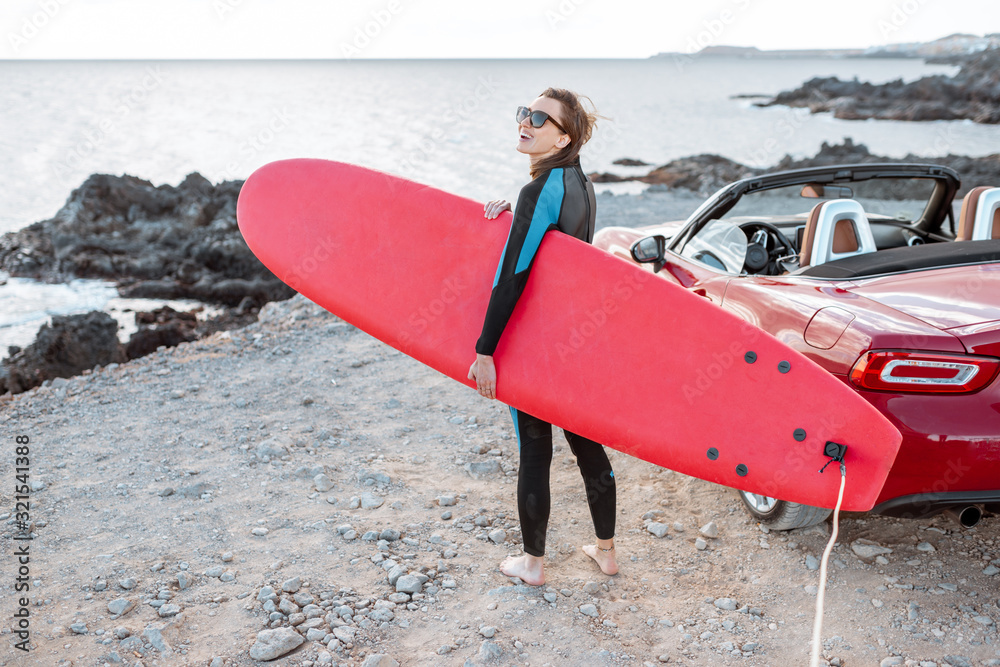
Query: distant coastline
945	47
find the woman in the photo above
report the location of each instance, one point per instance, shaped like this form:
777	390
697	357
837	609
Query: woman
560	196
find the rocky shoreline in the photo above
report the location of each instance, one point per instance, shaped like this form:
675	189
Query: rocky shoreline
166	242
707	173
973	93
156	242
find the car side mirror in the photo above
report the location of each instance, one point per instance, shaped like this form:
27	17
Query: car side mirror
650	250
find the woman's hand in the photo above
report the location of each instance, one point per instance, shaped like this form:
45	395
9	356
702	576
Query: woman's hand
495	208
484	373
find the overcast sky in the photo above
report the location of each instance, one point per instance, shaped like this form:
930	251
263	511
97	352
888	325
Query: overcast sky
163	29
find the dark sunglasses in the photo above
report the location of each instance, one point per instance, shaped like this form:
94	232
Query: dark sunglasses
538	118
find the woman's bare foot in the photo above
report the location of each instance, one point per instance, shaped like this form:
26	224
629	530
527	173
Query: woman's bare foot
529	569
605	559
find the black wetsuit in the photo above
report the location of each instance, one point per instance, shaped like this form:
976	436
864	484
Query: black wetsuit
561	199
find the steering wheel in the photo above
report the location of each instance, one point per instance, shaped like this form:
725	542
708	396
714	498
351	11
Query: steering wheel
759	259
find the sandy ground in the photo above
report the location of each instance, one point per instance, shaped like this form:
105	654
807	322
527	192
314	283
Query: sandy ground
184	484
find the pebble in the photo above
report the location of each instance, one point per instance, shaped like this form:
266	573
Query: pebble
481	469
120	606
344	634
868	549
389	535
925	546
710	529
447	499
259	531
227	557
812	563
215	571
322	483
700	544
727	604
657	529
292	585
498	536
272	644
489	651
79	628
408	583
154	635
589	610
128	584
991	570
184	579
488	631
550	597
169	610
370	501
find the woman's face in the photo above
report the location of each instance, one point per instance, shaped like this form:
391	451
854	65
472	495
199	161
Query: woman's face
541	141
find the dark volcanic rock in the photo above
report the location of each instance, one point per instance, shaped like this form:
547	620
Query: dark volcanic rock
162	241
630	162
69	345
163	326
605	177
973	93
701	173
707	173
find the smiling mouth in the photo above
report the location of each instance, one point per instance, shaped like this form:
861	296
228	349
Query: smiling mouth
525	136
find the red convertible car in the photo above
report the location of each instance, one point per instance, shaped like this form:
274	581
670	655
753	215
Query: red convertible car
875	273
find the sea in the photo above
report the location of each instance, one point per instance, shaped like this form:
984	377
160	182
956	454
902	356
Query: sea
448	123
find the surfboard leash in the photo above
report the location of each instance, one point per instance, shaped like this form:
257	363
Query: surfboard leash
836	453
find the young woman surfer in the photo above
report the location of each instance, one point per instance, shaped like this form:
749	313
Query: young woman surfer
552	130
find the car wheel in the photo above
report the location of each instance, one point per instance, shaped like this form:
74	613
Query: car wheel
781	514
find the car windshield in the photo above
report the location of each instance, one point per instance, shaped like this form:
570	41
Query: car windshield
720	244
894	198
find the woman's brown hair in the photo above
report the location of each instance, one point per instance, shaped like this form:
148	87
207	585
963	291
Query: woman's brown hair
579	124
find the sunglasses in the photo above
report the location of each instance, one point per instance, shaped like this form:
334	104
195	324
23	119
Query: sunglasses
538	118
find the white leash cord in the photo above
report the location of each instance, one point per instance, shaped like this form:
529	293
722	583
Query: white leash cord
817	640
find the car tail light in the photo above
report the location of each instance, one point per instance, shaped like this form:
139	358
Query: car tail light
923	372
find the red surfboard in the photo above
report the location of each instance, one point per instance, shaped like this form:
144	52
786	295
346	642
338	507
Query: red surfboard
596	344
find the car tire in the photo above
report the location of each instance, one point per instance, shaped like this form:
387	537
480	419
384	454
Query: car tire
781	514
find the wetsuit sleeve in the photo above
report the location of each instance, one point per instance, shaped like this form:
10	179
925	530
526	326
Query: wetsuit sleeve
537	211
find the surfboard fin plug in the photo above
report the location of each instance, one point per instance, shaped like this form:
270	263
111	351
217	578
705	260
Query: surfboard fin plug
836	453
